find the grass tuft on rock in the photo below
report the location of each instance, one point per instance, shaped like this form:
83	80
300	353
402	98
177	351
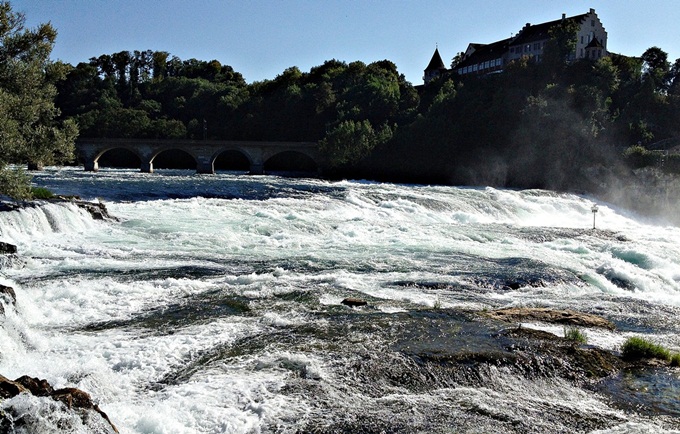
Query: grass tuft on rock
675	359
637	348
575	335
41	193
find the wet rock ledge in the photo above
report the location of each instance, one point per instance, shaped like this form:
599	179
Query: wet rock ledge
98	211
72	400
553	316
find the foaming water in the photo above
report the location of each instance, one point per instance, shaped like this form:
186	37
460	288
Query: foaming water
213	303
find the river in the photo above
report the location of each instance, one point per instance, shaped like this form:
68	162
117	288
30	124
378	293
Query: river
213	304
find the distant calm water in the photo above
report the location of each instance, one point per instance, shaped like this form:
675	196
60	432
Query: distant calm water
213	305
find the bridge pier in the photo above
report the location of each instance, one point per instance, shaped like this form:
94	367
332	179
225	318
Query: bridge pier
91	166
205	166
147	167
257	169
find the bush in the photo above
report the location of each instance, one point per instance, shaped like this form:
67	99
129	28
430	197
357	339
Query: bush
41	193
671	163
675	359
636	348
575	335
15	183
639	157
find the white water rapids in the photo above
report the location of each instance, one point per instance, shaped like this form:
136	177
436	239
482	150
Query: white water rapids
134	311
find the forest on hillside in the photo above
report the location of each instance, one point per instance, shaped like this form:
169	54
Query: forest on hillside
599	126
534	125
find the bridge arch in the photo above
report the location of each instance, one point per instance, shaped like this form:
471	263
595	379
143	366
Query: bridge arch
116	156
294	156
173	158
292	162
232	159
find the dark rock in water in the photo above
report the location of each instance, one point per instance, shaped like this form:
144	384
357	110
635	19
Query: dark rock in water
8	295
9	206
622	283
68	197
9	388
615	279
513	285
98	211
11	261
74	399
35	385
354	302
553	316
7	248
540	350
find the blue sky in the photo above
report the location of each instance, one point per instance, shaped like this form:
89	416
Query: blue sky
261	38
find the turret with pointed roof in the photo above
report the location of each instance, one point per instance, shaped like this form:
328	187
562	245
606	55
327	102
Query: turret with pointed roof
435	68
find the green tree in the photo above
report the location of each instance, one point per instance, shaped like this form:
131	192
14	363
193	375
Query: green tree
656	68
29	132
159	62
351	141
560	48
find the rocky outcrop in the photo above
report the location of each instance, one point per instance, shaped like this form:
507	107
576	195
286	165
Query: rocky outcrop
9	388
74	399
8	296
98	210
7	248
551	316
354	302
8	255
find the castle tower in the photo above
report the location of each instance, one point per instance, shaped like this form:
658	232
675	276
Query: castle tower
435	68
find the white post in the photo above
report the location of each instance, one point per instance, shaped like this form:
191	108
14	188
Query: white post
594	210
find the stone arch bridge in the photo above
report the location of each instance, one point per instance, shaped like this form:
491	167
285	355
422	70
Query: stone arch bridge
204	152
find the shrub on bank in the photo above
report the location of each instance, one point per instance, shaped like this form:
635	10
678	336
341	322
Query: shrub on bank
639	156
14	182
41	193
675	359
575	335
637	348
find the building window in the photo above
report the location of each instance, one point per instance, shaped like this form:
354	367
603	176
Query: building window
582	39
599	53
592	23
581	56
474	67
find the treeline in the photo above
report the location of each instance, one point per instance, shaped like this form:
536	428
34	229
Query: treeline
544	124
145	94
583	125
